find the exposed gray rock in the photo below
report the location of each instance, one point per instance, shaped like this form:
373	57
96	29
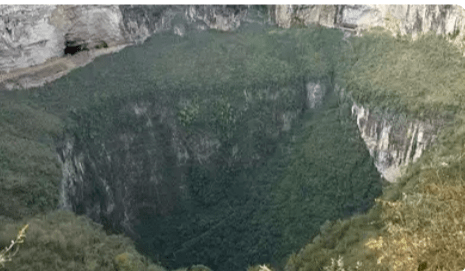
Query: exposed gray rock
223	18
395	141
26	36
31	35
402	19
89	27
288	15
315	94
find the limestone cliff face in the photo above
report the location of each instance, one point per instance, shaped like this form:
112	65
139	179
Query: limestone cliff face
142	21
26	36
394	141
405	19
34	35
31	35
415	19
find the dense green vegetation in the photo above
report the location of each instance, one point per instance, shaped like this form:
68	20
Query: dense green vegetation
415	225
421	78
273	195
318	185
61	241
233	87
29	171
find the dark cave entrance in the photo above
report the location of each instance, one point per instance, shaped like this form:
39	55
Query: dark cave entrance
71	47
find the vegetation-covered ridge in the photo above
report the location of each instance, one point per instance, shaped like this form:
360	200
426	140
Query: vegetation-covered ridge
421	77
417	224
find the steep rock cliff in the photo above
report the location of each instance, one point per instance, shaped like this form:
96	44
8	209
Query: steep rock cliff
394	140
402	19
57	36
415	19
43	35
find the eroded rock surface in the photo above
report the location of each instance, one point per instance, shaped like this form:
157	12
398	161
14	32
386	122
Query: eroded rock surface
448	20
33	35
395	141
26	36
414	19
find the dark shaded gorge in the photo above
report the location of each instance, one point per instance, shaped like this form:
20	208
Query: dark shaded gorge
205	149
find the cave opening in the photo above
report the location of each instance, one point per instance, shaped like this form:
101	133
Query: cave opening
71	48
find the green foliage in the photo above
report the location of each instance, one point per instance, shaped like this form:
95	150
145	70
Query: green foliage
421	77
249	60
199	267
416	223
62	241
188	113
330	175
29	170
238	86
341	237
102	44
131	262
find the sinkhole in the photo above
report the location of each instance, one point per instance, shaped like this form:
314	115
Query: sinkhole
221	149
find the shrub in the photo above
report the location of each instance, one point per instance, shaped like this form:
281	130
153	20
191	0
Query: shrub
63	241
6	254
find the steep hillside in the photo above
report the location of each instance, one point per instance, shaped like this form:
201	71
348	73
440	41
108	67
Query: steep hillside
416	223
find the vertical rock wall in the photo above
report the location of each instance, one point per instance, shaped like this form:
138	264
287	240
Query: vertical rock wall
394	141
442	19
31	35
402	19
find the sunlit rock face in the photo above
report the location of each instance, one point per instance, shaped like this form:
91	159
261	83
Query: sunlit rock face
30	35
27	37
288	15
406	19
142	21
394	141
88	27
